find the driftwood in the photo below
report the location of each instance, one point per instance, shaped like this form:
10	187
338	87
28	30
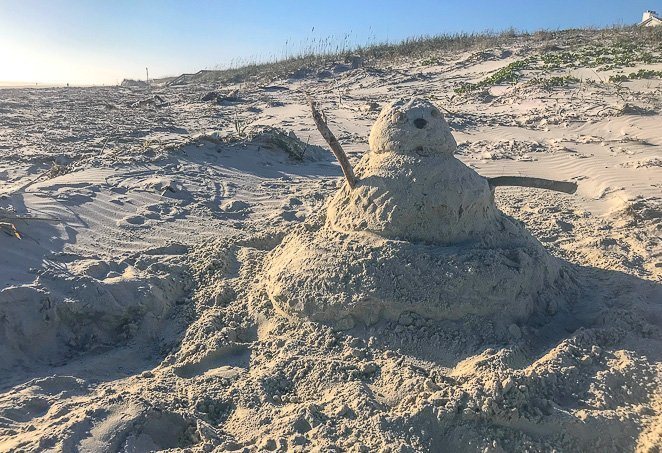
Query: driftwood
7	220
156	101
538	183
331	139
8	227
43	219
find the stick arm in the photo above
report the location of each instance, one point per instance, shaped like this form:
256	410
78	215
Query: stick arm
538	183
331	139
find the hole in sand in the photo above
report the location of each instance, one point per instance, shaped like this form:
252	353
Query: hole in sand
420	123
26	410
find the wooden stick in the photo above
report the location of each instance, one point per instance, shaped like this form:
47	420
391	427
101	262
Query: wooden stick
320	122
44	219
105	142
538	183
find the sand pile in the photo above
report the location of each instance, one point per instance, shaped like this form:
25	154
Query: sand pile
419	233
88	305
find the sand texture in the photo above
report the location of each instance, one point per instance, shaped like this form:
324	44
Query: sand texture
197	276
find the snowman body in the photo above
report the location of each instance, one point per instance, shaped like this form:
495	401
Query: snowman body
411	187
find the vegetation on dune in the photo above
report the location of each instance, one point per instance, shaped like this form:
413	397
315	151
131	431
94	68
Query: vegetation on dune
640	74
603	49
553	82
639	47
430	61
603	55
508	74
325	52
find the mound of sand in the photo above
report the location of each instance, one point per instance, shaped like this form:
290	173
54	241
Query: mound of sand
92	304
419	233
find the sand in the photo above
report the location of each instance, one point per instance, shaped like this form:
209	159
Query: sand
139	316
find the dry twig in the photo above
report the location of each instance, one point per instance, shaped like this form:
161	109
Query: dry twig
331	139
43	219
10	229
538	183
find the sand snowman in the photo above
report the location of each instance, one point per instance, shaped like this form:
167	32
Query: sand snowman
418	232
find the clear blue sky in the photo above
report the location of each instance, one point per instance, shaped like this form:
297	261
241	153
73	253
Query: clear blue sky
95	41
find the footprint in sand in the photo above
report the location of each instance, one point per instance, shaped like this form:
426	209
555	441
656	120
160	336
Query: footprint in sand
32	400
235	209
131	221
161	211
26	409
153	212
131	427
226	361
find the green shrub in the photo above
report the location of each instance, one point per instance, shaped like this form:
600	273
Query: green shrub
640	74
553	82
508	74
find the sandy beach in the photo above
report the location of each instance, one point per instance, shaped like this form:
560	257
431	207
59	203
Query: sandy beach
141	226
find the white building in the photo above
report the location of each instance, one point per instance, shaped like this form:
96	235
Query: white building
650	19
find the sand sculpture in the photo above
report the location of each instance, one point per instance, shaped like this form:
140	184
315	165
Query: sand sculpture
413	230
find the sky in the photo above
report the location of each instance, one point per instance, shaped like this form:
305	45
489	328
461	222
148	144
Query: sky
101	42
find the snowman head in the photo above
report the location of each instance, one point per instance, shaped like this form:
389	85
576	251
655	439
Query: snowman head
413	126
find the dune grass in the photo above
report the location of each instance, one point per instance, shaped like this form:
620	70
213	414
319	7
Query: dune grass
615	46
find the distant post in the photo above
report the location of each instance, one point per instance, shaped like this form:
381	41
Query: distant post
147	71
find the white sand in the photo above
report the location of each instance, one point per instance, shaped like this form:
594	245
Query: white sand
140	319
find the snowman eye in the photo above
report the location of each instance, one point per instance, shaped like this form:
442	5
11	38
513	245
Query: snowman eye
435	112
